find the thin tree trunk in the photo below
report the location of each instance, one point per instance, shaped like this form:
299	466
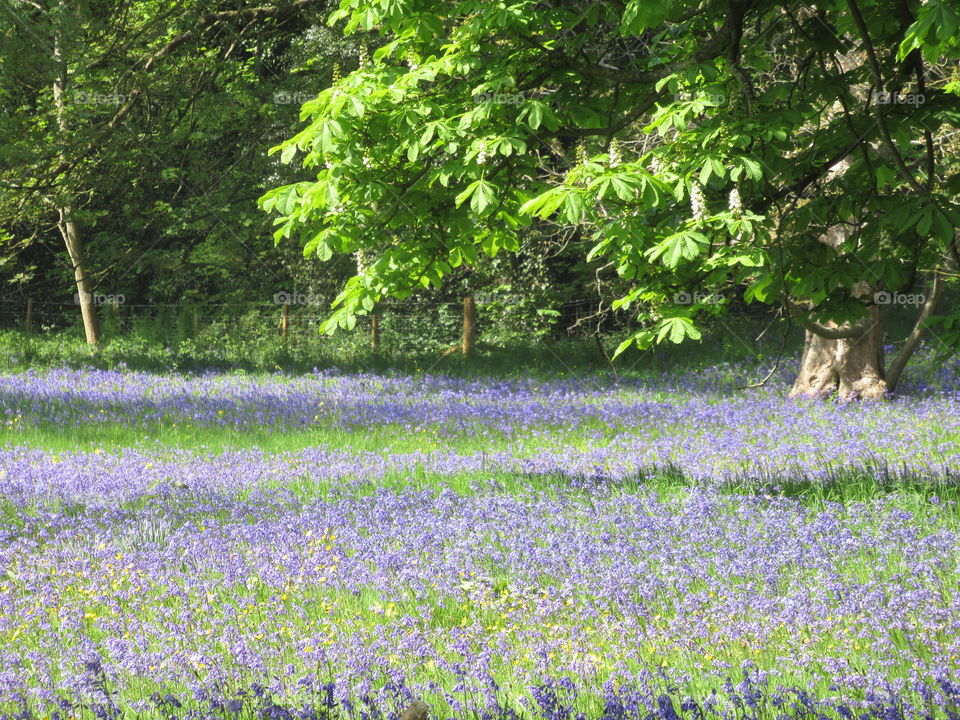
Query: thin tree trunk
374	332
71	238
469	325
69	230
28	321
916	335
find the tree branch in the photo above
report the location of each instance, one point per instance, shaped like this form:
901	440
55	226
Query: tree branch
710	50
210	19
916	335
837	333
854	331
206	21
879	107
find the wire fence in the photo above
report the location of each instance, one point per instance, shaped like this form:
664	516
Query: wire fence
293	316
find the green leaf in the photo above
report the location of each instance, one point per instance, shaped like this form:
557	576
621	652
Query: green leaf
626	344
943	227
573	208
638	15
286	155
535	116
598	249
677	329
483	196
625	191
545	204
752	168
683	245
428	134
706	172
760	289
885	176
926	221
467	192
330	130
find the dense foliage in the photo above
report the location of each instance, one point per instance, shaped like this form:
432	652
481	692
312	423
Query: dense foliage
802	157
156	141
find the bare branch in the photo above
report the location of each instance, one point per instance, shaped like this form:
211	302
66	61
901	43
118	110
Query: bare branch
879	107
713	48
833	333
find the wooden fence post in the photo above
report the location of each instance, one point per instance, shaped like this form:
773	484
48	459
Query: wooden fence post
115	311
469	324
284	320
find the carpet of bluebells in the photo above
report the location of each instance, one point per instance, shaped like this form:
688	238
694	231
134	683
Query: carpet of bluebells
565	549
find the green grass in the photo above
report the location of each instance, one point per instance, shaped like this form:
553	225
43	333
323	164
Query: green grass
211	439
382	439
733	339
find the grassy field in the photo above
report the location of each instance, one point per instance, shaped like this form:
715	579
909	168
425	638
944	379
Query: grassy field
327	544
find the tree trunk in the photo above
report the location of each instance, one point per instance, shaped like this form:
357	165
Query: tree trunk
67	225
469	324
28	321
374	332
851	367
912	342
88	310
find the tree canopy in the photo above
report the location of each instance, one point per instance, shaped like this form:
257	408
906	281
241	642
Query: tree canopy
803	157
145	123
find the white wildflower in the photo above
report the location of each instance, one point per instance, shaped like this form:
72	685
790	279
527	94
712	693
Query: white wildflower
614	154
735	203
698	204
582	154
